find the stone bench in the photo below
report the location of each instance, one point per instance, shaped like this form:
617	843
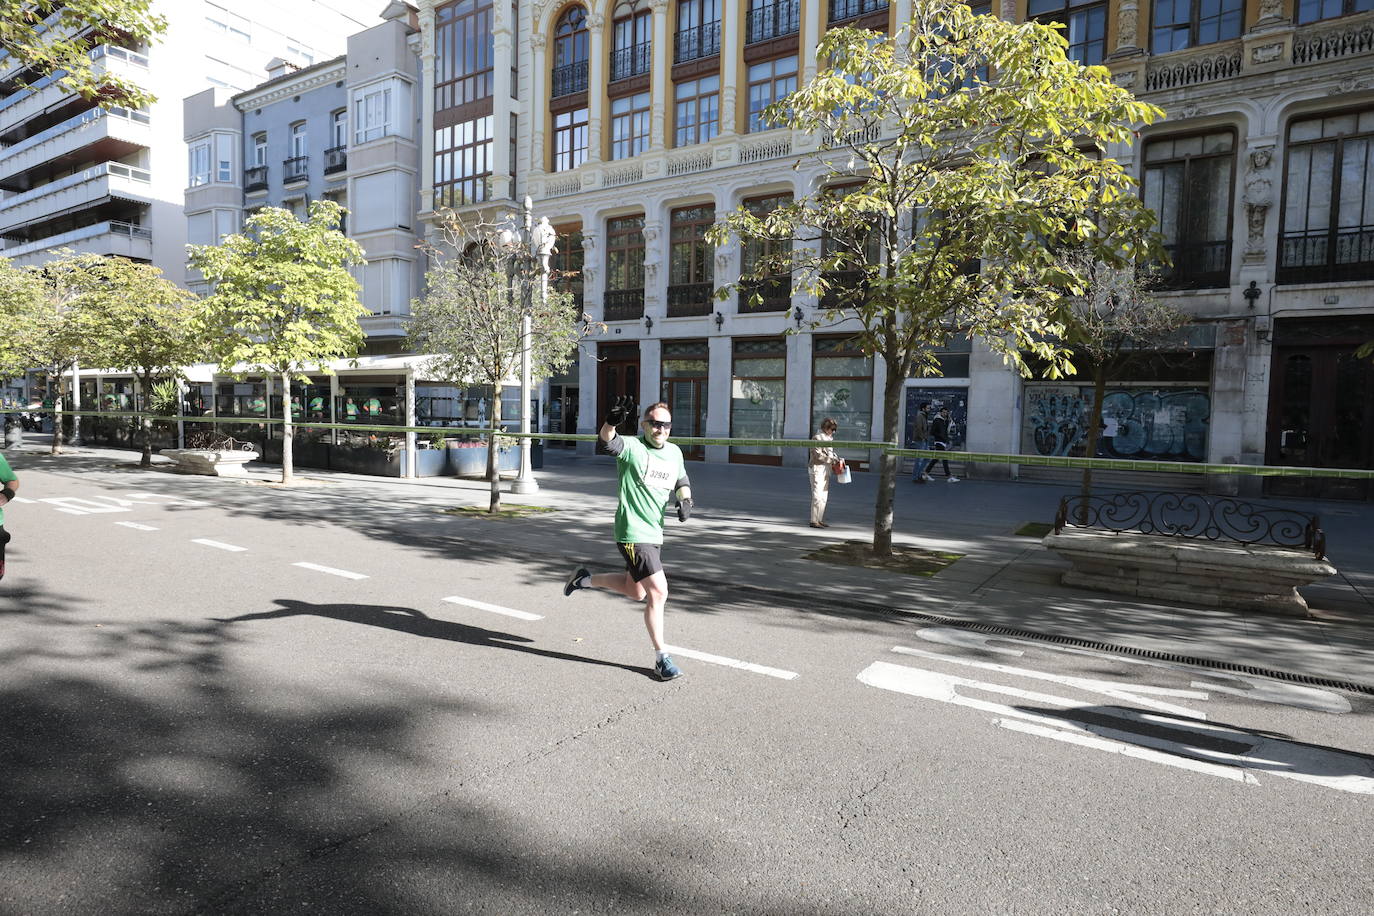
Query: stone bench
1212	552
214	462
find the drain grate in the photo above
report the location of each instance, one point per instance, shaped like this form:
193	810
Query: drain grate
993	629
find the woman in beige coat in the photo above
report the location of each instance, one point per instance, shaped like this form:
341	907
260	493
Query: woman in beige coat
822	458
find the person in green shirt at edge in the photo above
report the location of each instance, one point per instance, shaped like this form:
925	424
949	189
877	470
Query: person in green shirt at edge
11	484
650	471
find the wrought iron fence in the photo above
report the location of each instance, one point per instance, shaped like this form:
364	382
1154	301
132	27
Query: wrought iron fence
1198	264
623	304
689	299
335	159
841	10
775	294
696	43
1340	255
773	20
255	178
570	78
1193	515
297	168
631	61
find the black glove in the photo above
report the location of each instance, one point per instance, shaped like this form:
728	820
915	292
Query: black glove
622	409
684	509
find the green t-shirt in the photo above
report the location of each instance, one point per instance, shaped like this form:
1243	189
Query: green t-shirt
648	477
6	475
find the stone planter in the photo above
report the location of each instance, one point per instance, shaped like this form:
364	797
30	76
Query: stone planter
212	462
366	460
472	461
431	462
304	454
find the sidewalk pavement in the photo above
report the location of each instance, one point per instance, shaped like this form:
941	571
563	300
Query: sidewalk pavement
750	529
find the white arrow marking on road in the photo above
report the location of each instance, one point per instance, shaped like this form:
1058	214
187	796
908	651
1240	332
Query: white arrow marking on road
331	570
167	496
136	526
951	636
1326	767
217	544
732	663
494	608
1130	693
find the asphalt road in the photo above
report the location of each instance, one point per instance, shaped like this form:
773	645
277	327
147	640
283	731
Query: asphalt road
193	721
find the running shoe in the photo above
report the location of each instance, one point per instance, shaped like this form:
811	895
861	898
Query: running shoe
571	585
666	670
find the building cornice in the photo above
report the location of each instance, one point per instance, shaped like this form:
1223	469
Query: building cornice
306	80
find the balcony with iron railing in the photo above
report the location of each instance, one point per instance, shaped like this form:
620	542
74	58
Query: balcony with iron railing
297	168
87	188
335	159
1327	255
570	78
687	300
696	43
846	289
622	304
775	294
255	178
631	61
841	10
773	20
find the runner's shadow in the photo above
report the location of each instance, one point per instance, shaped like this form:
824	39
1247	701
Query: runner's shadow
409	620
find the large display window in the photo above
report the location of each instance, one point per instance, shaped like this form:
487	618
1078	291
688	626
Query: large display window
758	393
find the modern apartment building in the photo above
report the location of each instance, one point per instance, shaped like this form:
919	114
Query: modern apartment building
111	182
634	124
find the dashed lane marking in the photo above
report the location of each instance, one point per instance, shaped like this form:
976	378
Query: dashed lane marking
732	663
493	608
220	545
343	573
136	526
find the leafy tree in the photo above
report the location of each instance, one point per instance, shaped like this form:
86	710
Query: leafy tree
469	320
64	46
283	299
43	307
138	321
962	140
1117	322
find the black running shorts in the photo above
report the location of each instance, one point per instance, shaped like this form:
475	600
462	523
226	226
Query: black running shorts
642	560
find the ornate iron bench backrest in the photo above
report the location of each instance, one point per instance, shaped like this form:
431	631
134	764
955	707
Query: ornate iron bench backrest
1193	515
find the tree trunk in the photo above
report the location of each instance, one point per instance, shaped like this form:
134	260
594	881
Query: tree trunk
1094	424
493	474
887	466
287	465
57	417
146	460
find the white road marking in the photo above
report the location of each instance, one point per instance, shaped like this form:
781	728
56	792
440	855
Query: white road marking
144	494
137	526
494	608
1129	750
331	570
1130	693
1326	767
1258	688
75	505
218	544
732	663
20	499
952	636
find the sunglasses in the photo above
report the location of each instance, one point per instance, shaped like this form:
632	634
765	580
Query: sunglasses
660	424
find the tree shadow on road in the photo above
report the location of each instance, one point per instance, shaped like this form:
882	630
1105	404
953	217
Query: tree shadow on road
409	620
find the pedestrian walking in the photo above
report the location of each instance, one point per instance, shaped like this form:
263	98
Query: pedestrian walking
651	470
939	436
819	465
920	438
11	484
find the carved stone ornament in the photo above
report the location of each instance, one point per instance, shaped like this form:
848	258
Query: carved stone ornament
1126	26
1264	54
1254	218
1125	79
596	22
1270	9
538	41
723	259
588	242
1260	158
1188	111
650	274
650	235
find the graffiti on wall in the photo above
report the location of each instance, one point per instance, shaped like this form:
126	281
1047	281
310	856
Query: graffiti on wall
1166	424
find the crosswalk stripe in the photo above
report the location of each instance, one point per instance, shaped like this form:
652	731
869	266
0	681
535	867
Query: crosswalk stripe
136	526
494	608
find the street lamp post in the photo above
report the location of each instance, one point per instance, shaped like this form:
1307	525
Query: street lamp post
536	244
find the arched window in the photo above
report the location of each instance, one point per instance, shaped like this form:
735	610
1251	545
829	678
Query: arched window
570	52
632	50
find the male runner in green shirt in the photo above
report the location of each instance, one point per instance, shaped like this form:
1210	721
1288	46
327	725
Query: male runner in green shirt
651	470
10	485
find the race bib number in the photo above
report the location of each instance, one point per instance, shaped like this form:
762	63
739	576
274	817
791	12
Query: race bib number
660	474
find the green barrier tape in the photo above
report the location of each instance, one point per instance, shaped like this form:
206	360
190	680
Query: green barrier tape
888	448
